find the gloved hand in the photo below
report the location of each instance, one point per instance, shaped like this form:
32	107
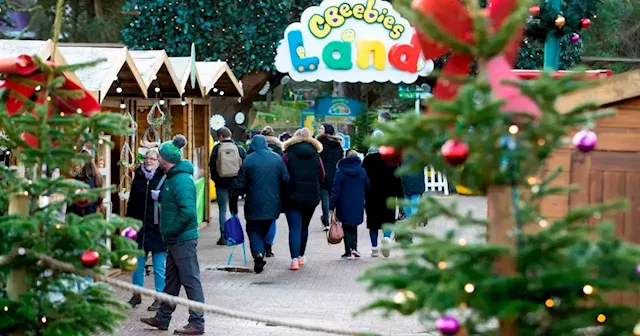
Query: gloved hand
155	195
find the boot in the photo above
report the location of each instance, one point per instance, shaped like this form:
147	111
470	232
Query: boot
135	300
221	242
154	322
189	330
269	252
155	306
259	264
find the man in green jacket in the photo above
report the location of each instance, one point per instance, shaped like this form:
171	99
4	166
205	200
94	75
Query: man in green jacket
179	229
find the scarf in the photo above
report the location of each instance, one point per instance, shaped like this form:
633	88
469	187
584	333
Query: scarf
149	174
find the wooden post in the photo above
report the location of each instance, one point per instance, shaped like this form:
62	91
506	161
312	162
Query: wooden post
17	280
501	231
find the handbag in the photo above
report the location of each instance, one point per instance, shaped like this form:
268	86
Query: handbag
335	233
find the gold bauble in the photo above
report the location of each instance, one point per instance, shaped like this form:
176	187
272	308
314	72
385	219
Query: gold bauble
560	21
128	264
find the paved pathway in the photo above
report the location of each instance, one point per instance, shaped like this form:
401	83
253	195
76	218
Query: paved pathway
325	291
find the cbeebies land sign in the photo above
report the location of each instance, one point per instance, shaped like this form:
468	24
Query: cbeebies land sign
352	41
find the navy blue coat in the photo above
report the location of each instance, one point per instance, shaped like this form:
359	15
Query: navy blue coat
413	182
349	187
259	178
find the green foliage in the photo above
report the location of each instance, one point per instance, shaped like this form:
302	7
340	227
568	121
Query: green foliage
242	32
553	264
363	128
278	115
52	304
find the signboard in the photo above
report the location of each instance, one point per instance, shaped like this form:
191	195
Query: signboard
338	107
414	92
346	141
308	118
352	41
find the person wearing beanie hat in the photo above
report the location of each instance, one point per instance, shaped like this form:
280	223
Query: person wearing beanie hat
272	141
332	153
179	230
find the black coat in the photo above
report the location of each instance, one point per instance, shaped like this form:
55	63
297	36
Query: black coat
140	207
273	143
349	188
301	155
332	152
84	208
222	182
260	177
384	184
413	182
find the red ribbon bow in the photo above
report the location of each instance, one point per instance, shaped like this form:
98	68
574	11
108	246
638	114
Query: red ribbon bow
454	19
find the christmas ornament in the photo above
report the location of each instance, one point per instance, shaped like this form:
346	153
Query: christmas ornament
585	141
534	10
575	38
128	264
22	65
636	329
90	258
455	152
560	21
130	233
390	154
407	302
586	23
454	19
448	325
638	269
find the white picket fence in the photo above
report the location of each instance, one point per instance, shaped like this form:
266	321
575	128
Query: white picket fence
434	181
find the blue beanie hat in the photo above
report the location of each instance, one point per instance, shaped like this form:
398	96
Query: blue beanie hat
171	151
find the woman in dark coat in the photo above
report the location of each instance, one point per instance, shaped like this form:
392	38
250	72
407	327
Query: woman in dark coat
276	146
347	200
331	153
141	206
302	193
384	185
89	174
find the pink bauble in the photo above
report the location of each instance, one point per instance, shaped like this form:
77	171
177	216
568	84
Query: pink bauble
575	38
585	141
448	325
130	233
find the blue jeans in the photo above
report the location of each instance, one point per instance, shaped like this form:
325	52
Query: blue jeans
271	235
325	199
373	235
298	230
159	260
222	197
412	207
257	231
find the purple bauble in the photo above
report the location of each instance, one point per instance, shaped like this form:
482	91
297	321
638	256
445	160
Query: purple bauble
448	325
575	38
638	269
585	141
130	233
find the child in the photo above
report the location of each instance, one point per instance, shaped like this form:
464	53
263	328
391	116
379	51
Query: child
347	200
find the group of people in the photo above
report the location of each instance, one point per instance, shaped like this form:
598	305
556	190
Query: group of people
295	176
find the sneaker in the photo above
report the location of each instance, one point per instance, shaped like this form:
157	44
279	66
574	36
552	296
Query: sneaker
189	330
295	265
135	300
259	264
375	252
155	306
346	256
221	242
302	260
355	254
154	322
386	248
325	228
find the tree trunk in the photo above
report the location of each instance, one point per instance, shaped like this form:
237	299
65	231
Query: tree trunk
91	10
349	90
97	5
228	107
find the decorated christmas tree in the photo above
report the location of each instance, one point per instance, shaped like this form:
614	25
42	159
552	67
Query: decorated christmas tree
534	275
47	120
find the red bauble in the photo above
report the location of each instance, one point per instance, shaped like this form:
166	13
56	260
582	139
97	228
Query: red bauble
90	258
390	154
534	10
455	152
586	23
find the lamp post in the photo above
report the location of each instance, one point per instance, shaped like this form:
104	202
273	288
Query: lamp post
552	43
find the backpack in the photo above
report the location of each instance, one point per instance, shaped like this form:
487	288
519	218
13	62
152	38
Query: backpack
228	161
233	233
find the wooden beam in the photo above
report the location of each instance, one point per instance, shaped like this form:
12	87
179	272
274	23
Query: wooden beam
614	89
594	59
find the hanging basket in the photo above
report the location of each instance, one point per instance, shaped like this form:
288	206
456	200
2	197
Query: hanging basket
124	188
155	122
147	142
127	159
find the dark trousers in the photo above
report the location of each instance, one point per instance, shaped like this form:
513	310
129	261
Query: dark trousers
299	220
183	270
258	230
350	238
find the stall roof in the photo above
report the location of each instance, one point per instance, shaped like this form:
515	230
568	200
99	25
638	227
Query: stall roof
182	67
42	49
611	90
156	70
104	76
219	78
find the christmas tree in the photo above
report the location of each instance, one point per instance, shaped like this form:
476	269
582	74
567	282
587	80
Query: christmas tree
535	275
47	120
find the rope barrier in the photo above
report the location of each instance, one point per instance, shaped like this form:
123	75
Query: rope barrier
192	305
